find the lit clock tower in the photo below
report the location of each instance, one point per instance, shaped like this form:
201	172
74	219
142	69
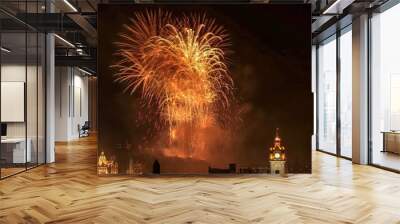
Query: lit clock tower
277	155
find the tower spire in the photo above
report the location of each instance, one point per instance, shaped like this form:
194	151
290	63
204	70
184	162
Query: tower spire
277	138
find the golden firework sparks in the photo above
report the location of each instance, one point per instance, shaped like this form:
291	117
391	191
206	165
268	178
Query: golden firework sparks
178	64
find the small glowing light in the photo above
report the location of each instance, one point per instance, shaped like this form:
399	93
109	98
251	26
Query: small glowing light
173	134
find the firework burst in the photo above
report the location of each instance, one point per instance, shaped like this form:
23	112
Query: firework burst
177	64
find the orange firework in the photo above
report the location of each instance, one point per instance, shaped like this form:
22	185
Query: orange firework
178	64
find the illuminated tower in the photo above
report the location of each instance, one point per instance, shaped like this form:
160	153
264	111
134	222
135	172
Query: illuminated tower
102	164
277	156
277	152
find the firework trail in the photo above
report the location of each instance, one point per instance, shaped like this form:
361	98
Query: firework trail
178	64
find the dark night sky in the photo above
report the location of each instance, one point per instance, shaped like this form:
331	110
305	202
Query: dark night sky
270	65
